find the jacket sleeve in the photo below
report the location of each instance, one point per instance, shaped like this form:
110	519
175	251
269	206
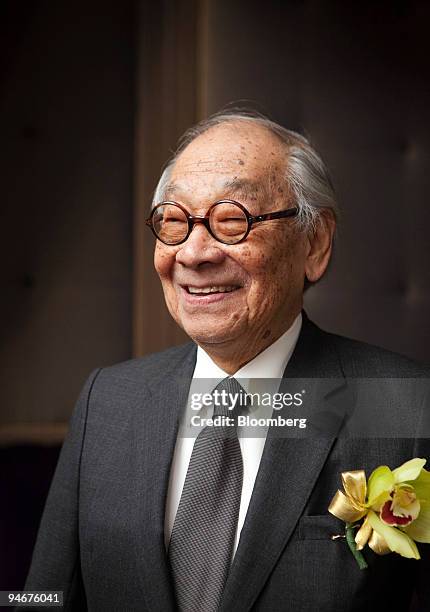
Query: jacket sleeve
56	557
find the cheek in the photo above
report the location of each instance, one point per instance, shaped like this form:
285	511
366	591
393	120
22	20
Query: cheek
163	261
277	273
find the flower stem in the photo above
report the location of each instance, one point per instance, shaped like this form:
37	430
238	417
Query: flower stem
349	533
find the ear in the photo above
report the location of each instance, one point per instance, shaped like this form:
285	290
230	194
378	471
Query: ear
320	246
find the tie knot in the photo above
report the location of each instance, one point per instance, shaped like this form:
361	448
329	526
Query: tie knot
229	398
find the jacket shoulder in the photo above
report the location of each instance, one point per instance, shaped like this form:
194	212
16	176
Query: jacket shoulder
360	359
167	361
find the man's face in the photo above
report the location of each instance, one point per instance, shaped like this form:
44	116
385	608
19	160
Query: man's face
256	286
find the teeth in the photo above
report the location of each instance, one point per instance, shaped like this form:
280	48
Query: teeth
214	289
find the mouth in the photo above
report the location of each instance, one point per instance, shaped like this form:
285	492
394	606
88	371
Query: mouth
208	295
210	289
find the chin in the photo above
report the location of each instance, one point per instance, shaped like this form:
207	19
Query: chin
208	335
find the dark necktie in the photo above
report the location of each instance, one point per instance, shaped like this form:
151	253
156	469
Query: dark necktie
202	541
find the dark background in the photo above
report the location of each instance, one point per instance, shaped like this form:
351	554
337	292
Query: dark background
93	97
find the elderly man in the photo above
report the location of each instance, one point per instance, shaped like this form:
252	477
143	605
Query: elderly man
142	517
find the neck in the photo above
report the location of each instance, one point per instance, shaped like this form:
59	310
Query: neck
230	356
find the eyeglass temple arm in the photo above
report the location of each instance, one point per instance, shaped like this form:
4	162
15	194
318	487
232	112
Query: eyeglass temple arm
291	212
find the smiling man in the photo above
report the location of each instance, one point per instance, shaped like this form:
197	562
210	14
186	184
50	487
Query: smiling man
141	516
237	295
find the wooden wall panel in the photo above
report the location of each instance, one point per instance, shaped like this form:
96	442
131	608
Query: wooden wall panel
171	77
66	119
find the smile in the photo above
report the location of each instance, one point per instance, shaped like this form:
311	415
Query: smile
212	296
211	289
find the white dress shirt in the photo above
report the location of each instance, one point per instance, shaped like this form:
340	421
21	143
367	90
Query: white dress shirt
271	363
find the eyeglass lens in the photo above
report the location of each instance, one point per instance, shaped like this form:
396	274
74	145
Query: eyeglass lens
227	221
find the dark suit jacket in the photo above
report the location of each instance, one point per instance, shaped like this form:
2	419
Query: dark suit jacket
101	537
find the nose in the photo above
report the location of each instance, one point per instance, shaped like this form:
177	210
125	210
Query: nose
200	248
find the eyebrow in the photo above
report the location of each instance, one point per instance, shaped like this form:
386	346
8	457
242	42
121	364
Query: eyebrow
245	187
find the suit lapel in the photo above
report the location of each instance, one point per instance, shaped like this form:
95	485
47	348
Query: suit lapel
288	471
159	421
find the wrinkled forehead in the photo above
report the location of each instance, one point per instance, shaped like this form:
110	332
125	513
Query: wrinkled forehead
229	160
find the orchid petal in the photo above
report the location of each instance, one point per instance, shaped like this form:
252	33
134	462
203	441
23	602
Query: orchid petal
405	502
422	486
409	470
379	501
396	540
380	483
419	529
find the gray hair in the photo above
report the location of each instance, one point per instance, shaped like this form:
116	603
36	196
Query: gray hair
306	175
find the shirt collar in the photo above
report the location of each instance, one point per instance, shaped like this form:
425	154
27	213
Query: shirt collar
270	363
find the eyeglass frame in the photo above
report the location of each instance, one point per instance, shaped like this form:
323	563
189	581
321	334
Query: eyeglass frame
204	219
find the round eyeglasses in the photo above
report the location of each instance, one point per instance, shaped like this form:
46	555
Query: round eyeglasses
227	221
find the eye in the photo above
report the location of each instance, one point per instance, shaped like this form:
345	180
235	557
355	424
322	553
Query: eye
171	215
229	218
173	218
228	221
170	223
230	225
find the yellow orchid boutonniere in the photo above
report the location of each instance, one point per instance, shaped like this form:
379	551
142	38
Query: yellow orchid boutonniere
391	511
